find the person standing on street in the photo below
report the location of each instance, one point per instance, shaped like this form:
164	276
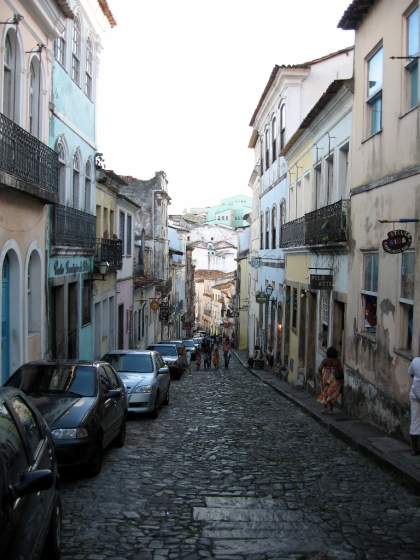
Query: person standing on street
414	372
332	378
216	357
226	353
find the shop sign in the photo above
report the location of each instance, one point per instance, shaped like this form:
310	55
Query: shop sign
62	266
154	305
321	282
398	241
261	297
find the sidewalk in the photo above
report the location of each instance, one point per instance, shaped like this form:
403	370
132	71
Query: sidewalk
385	449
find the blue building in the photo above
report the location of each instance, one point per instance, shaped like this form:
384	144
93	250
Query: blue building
230	211
72	134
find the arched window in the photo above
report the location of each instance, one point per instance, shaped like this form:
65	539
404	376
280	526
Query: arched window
62	172
267	229
273	227
267	148
11	71
274	139
75	49
261	231
282	221
76	180
88	186
282	125
89	68
34	96
34	294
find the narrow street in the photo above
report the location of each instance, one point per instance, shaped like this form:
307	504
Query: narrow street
230	469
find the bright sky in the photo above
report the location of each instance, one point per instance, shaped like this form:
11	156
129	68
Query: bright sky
180	79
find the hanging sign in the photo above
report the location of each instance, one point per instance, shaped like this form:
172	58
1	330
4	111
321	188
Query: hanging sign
261	297
321	282
398	241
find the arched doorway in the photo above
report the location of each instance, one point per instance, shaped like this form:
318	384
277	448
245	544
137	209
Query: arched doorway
10	316
5	321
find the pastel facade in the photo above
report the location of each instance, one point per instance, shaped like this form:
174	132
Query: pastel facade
230	211
28	175
382	324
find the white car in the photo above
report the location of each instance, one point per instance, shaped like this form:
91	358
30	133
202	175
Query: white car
146	379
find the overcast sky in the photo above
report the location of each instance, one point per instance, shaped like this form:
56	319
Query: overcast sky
180	79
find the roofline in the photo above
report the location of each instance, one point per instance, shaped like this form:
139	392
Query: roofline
304	65
355	14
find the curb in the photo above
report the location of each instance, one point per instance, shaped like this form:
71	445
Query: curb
406	473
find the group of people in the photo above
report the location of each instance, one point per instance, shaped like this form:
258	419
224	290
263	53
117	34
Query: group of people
210	353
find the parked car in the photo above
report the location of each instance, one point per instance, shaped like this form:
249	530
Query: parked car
84	404
30	507
145	376
171	357
191	346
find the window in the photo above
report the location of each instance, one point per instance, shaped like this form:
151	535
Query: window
89	67
34	97
267	149
261	158
318	186
86	302
282	125
129	235
122	229
407	299
369	291
273	227
374	91
11	73
76	180
88	187
75	48
261	231
29	424
60	50
34	294
294	308
413	48
62	172
274	139
267	229
282	220
330	179
111	224
343	171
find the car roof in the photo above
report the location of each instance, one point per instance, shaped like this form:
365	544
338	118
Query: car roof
135	352
162	344
61	363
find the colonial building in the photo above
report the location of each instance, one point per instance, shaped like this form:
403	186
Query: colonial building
29	174
178	281
242	289
383	315
230	212
290	93
72	134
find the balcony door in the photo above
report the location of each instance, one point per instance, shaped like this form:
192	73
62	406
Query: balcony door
5	321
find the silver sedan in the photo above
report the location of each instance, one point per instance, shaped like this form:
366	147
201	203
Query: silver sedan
146	379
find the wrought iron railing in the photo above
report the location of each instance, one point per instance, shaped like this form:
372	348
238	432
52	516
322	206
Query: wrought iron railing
293	233
110	251
327	225
28	159
73	228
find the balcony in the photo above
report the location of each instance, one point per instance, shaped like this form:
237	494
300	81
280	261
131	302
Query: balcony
293	233
73	229
26	163
110	251
327	225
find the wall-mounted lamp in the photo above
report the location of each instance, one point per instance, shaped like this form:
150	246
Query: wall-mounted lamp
103	268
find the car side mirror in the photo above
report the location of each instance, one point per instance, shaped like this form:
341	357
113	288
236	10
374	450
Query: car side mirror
163	370
113	393
32	482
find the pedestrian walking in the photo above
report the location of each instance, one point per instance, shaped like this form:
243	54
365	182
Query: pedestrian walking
414	372
332	377
269	356
226	353
216	357
197	359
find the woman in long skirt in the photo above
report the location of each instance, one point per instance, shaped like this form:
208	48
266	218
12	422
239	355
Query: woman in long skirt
332	377
414	372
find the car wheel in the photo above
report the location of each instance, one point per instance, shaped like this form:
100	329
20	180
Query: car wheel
52	549
155	412
94	466
166	401
120	439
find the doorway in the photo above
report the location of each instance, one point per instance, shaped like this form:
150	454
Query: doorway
57	323
72	324
121	326
339	319
5	321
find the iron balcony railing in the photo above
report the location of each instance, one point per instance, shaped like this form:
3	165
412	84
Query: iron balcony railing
293	233
28	159
110	251
73	228
327	225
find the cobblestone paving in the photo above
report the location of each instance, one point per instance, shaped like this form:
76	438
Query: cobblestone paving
232	470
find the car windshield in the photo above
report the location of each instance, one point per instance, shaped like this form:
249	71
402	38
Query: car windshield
188	343
131	363
56	379
164	350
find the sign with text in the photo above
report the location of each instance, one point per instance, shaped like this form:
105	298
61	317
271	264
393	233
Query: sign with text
398	241
321	282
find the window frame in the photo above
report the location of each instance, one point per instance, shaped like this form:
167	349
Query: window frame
267	147
76	180
274	227
60	47
76	43
89	68
375	97
406	304
412	65
88	186
273	139
121	229
367	293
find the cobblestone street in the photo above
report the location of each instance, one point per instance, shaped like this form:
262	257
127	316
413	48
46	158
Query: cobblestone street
231	469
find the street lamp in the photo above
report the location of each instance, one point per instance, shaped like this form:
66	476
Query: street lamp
269	291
